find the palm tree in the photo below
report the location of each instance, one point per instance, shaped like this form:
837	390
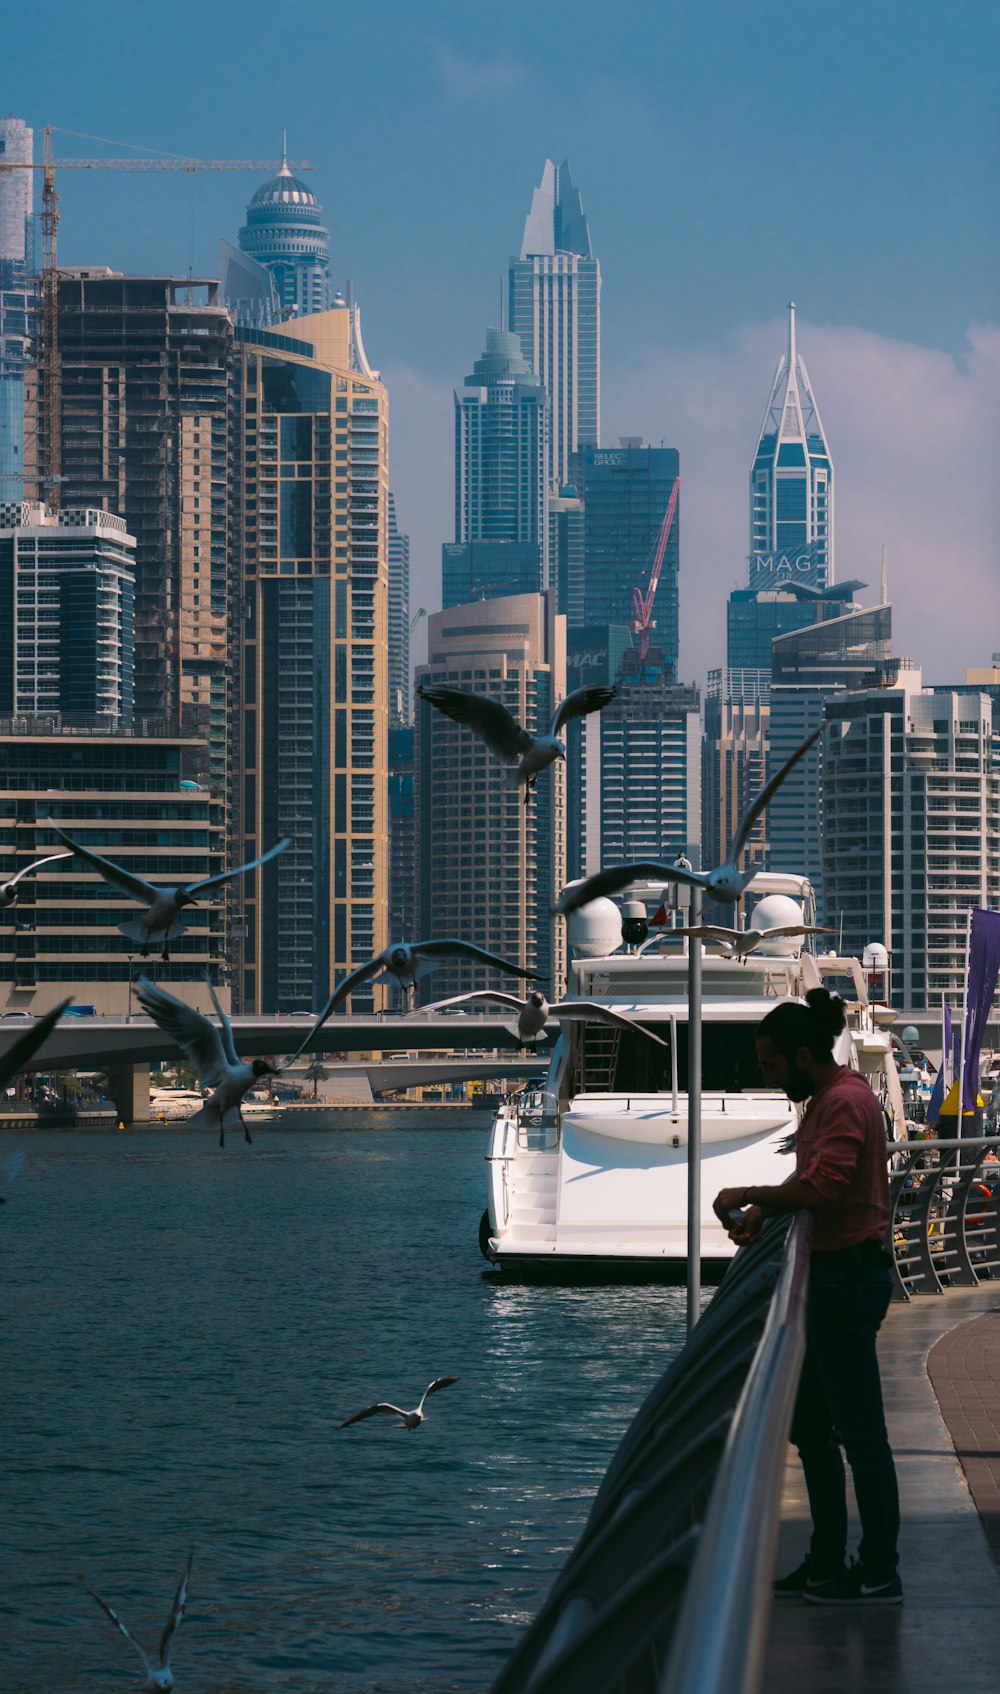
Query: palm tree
316	1074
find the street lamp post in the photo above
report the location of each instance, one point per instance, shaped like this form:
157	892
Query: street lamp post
694	1116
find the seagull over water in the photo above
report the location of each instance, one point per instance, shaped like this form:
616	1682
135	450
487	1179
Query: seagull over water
503	734
409	1420
212	1052
159	1677
164	905
534	1013
409	962
725	883
740	943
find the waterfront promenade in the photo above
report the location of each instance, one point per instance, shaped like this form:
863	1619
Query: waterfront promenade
945	1635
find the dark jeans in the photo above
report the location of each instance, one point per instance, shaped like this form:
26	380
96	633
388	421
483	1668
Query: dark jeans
840	1403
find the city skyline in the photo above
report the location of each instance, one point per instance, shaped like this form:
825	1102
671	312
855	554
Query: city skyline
897	313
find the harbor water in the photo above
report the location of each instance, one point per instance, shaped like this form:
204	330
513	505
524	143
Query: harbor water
182	1329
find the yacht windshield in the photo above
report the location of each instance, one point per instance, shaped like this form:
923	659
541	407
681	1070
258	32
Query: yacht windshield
622	1062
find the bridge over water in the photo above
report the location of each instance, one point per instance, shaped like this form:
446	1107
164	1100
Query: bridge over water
124	1047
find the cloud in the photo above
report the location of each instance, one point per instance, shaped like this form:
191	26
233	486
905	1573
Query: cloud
474	79
912	433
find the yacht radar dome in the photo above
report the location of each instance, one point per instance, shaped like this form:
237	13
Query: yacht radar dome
594	930
776	911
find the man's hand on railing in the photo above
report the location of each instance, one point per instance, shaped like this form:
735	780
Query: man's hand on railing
741	1225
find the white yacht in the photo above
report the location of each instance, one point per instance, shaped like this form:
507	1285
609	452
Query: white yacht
586	1171
173	1105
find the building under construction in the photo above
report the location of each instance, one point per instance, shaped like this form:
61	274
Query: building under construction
143	394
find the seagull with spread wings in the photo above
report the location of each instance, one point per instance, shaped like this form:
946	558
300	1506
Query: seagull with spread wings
725	883
8	889
409	962
16	1056
164	905
740	943
409	1420
534	1013
211	1051
503	734
159	1677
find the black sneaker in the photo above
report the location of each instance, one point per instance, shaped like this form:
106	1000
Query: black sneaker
857	1587
806	1579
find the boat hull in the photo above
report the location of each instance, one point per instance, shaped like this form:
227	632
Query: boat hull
602	1194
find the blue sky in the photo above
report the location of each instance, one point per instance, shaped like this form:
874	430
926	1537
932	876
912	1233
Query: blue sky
731	153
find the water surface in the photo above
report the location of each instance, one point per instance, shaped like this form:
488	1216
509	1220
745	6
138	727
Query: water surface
182	1328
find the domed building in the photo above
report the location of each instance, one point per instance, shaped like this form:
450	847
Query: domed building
284	232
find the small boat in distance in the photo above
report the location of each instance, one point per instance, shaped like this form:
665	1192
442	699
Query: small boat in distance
173	1105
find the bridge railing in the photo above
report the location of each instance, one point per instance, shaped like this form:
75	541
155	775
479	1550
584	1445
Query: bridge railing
945	1223
668	1589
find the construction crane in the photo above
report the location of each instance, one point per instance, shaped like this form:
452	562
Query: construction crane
643	603
48	165
395	683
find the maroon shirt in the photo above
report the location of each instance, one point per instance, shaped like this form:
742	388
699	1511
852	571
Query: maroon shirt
841	1152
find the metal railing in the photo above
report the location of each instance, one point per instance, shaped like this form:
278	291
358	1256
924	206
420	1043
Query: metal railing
675	1546
944	1229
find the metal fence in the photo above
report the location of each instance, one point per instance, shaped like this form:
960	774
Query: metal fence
945	1225
701	1459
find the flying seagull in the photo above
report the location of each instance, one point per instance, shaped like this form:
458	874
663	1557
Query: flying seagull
212	1053
725	883
409	962
163	904
410	1420
740	943
8	890
159	1677
503	734
16	1056
534	1013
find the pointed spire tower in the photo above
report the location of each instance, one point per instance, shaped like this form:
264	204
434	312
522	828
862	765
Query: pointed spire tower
791	483
554	306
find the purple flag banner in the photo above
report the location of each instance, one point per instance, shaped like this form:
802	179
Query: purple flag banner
984	967
936	1100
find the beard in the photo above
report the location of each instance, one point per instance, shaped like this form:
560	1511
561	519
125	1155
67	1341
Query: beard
798	1084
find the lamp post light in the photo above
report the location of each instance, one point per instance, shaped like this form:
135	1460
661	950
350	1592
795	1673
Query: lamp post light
694	1102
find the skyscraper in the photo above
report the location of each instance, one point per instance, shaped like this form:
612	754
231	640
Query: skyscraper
643	791
554	306
501	487
67	593
810	668
626	492
489	867
284	233
734	761
791	483
312	472
18	299
146	374
911	799
399	619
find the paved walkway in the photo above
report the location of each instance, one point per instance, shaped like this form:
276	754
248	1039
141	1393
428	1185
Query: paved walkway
945	1635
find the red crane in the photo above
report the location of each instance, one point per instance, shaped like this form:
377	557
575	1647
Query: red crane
643	603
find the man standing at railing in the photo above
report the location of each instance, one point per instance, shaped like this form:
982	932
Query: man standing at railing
841	1176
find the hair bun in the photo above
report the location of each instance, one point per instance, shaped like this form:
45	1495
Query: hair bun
827	1009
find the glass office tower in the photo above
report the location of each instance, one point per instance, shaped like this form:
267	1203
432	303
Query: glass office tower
554	306
791	483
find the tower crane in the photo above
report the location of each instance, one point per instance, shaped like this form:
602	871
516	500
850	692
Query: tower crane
48	165
643	603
